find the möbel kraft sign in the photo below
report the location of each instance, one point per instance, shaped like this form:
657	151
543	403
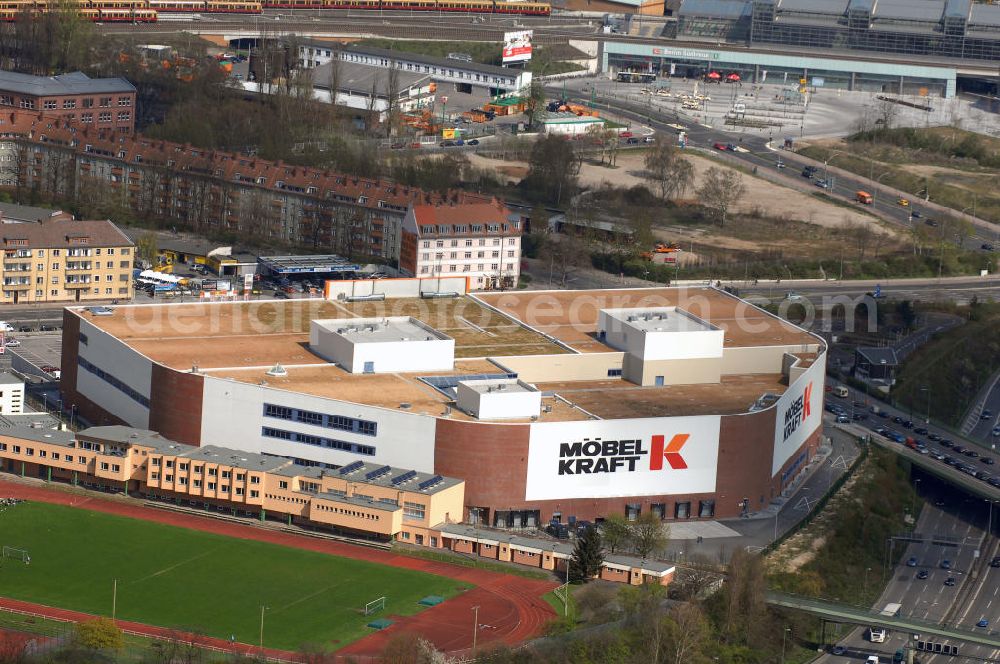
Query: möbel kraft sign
612	458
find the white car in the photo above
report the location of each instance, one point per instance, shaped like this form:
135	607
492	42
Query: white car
872	659
6	327
876	634
11	343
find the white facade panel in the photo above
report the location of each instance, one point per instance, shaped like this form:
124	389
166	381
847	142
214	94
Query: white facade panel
11	398
798	413
503	404
683	345
233	416
618	458
113	375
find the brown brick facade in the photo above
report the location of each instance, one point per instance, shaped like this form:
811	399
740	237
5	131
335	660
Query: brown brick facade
492	459
175	404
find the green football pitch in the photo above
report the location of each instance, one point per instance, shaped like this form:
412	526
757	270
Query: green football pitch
187	579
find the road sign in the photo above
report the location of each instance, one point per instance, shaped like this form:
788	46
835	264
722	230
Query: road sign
878	290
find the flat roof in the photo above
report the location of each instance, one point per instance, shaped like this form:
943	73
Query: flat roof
448	63
381	330
571	316
390	477
359	78
498	385
241	341
65	438
236	458
307	264
30	420
117	433
660	319
7	378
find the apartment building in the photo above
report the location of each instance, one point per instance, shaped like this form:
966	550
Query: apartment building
106	104
211	192
58	260
480	241
11	394
360	500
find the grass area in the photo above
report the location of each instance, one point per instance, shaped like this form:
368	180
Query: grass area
916	159
513	569
839	556
953	366
191	580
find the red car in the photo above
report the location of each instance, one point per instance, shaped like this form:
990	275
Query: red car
720	146
626	134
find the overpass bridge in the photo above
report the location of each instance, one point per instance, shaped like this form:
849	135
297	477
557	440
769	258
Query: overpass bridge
928	464
843	613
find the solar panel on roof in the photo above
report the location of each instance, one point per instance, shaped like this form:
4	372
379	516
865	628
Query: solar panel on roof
379	472
434	481
405	477
351	467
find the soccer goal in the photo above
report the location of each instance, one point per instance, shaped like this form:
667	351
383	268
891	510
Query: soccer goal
374	606
16	554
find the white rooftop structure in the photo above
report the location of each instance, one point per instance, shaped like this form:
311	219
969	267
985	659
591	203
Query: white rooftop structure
382	345
498	398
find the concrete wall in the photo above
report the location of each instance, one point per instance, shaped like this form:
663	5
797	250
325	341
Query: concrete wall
116	359
499	404
678	372
394	288
759	359
233	415
556	368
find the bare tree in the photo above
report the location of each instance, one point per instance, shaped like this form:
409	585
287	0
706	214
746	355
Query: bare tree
669	172
719	191
691	632
565	254
649	535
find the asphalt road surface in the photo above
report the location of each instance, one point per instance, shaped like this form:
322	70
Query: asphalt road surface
973	597
755	152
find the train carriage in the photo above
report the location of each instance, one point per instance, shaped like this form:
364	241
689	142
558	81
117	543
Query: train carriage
232	7
187	6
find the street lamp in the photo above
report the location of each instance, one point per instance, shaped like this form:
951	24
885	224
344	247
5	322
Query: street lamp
927	419
878	183
826	169
262	609
475	629
784	637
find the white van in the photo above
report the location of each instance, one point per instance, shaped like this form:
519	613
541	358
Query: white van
876	635
6	327
872	659
840	391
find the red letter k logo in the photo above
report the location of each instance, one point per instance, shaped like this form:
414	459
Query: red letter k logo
670	452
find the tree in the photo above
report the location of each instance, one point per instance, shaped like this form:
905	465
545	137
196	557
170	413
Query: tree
615	532
669	172
649	535
552	170
564	254
587	556
98	634
687	633
147	248
719	191
409	648
533	97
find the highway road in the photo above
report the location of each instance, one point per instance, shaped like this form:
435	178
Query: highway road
971	599
756	152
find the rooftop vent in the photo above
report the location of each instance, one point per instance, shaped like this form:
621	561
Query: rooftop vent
277	370
405	406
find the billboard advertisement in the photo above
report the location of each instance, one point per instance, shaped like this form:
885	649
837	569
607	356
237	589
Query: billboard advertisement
615	458
799	412
517	46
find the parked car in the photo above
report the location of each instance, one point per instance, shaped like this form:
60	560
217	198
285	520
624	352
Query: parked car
11	343
986	246
920	431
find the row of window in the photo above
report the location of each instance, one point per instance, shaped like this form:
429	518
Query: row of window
115	382
348	512
512	241
427	69
55	292
50	104
68	458
209	486
340	422
437	269
40	253
467	255
318	441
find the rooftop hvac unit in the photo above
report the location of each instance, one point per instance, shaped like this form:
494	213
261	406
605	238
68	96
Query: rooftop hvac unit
405	406
546	409
277	370
447	410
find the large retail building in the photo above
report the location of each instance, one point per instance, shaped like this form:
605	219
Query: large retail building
568	405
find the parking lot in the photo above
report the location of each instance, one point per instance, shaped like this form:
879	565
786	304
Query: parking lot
35	350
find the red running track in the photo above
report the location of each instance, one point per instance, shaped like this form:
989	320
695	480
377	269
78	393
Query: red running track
510	607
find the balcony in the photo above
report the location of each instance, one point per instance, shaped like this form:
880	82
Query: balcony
77	284
17	287
85	266
17	267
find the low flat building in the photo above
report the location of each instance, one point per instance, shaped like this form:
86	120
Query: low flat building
876	364
108	104
368	89
569	124
11	394
57	260
480	241
12	213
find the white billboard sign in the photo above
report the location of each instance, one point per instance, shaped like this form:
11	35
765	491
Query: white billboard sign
517	46
614	458
799	412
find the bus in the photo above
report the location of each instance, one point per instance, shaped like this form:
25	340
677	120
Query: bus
635	77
